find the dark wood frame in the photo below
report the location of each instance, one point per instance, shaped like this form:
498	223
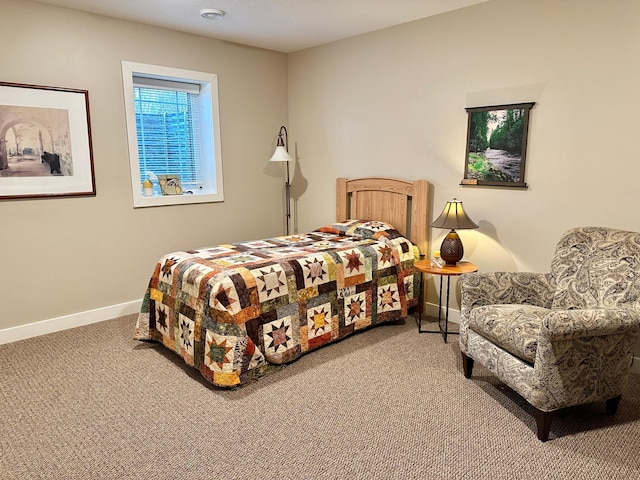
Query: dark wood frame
76	102
520	183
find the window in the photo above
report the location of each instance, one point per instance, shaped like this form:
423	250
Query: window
173	129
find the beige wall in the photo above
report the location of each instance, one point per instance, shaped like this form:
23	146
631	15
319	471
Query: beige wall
392	103
68	255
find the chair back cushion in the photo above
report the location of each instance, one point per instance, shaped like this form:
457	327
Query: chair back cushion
596	267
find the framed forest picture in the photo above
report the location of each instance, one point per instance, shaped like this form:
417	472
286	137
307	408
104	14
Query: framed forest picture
497	145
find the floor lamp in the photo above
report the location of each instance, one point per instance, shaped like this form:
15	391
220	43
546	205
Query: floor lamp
282	155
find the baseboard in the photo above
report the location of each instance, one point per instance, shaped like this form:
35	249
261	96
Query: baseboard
635	365
432	311
21	332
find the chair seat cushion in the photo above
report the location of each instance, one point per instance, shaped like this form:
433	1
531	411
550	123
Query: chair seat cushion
514	328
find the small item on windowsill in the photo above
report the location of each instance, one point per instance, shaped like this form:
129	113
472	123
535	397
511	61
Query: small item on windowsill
147	188
436	261
170	184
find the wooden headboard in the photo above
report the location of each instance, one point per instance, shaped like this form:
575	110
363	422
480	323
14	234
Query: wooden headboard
401	203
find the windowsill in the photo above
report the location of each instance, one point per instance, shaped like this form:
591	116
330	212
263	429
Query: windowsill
140	201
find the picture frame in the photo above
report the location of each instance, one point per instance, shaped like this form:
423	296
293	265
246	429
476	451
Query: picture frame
170	184
45	142
497	145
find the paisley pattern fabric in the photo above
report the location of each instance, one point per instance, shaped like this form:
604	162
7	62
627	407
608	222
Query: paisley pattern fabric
562	338
503	288
513	327
597	267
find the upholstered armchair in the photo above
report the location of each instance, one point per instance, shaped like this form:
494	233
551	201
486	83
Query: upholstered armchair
561	338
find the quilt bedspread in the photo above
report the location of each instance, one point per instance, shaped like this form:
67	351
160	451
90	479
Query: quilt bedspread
232	311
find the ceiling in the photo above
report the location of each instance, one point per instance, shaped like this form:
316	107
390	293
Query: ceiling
281	25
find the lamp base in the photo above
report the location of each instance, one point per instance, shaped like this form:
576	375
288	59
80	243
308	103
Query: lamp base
451	250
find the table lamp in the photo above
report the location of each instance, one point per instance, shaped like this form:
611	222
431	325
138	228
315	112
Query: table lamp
454	217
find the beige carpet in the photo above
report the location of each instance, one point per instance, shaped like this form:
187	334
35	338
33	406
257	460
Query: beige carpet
389	403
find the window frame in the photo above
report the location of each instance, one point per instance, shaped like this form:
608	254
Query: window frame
210	129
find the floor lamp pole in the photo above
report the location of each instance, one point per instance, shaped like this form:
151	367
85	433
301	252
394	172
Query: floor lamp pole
287	190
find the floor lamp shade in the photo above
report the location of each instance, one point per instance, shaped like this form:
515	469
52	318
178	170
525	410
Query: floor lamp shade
454	218
281	154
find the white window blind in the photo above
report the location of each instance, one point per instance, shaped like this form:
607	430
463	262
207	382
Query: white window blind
168	129
173	128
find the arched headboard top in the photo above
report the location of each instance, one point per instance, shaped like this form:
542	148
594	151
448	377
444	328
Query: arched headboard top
402	203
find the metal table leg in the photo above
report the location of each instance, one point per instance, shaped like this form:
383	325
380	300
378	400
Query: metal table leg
446	310
444	332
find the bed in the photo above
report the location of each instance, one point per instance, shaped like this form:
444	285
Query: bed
235	312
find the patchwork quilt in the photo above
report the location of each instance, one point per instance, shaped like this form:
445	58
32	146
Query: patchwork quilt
233	311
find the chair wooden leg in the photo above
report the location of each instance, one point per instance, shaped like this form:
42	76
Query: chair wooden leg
612	405
467	365
543	424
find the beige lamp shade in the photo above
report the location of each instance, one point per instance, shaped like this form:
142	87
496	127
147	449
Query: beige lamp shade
454	217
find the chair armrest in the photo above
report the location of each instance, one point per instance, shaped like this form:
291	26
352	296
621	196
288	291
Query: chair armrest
583	356
491	288
592	322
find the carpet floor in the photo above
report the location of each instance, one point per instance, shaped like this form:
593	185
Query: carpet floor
388	403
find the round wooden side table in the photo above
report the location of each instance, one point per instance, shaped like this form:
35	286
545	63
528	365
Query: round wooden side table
448	271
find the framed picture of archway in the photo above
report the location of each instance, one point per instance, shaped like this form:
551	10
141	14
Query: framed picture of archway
45	142
497	145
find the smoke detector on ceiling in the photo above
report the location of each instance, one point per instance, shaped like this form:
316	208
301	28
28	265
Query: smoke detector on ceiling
212	13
